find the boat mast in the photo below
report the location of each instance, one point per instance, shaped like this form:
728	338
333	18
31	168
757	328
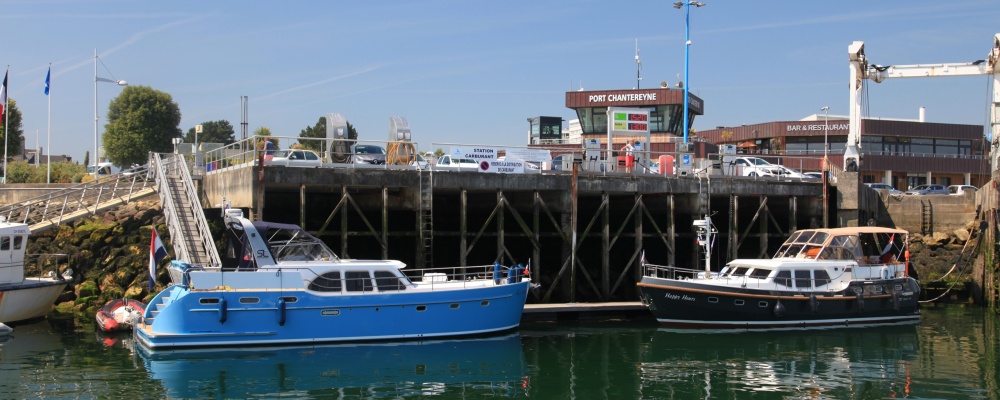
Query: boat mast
705	231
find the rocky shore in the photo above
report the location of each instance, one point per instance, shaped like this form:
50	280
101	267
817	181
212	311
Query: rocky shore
109	256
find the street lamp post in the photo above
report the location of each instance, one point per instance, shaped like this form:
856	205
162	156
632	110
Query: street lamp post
687	55
826	165
826	130
97	159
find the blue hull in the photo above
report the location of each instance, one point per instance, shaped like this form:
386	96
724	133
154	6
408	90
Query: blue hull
179	317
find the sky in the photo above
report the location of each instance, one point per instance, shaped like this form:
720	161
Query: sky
473	72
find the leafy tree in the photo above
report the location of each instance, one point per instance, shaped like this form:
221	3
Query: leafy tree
141	119
262	134
16	143
310	133
220	131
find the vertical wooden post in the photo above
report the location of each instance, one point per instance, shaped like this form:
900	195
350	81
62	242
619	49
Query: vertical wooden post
463	220
385	223
302	205
343	222
501	206
605	247
671	232
734	225
637	220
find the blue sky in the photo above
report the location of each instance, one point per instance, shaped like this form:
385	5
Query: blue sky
472	72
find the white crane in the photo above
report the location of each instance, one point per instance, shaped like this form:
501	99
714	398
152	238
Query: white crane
861	70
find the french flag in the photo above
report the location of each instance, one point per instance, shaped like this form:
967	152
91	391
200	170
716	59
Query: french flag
156	253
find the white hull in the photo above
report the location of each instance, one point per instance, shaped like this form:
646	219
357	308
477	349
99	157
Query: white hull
32	299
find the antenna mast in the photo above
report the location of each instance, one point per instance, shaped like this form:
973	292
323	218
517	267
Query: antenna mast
638	64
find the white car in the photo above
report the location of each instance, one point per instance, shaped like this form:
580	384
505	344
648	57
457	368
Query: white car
959	190
790	173
753	166
458	164
293	158
884	186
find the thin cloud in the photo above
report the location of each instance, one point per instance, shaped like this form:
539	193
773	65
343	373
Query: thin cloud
321	82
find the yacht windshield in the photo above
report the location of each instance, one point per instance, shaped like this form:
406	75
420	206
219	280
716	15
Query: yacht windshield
297	245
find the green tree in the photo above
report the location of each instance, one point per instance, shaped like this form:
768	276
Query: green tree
262	134
16	143
318	131
141	119
220	131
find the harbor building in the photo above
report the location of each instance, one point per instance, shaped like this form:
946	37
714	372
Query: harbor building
902	153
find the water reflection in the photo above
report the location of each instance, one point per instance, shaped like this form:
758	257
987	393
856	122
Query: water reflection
490	366
836	363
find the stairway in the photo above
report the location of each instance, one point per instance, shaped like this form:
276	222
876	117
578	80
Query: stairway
190	236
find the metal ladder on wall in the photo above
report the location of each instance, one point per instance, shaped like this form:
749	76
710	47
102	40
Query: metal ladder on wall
425	219
65	205
189	233
926	217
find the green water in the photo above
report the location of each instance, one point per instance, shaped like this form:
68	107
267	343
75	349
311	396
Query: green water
951	354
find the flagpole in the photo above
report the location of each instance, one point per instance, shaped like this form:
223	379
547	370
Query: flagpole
48	138
6	122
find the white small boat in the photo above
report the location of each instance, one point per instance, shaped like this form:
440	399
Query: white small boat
23	298
5	330
819	277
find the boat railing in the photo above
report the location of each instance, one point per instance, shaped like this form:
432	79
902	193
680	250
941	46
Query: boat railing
39	264
671	272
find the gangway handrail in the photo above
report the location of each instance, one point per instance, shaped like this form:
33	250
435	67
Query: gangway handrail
69	203
177	165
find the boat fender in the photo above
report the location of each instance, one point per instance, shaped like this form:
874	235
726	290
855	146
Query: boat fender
514	274
281	311
222	311
779	309
496	273
814	303
861	300
885	273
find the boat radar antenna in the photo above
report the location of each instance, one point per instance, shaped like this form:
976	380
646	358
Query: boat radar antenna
705	235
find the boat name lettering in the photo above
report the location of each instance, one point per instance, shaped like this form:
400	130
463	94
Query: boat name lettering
672	296
600	98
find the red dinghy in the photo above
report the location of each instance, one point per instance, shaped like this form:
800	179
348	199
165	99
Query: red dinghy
118	314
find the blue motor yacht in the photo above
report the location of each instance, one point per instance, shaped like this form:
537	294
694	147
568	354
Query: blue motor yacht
280	285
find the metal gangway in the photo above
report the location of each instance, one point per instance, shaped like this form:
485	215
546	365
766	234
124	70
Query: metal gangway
191	238
79	201
167	174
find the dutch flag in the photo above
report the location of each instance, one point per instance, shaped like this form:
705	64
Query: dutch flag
156	253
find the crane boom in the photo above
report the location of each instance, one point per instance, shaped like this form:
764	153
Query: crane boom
861	70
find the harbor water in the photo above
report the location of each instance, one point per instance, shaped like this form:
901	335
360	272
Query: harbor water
951	354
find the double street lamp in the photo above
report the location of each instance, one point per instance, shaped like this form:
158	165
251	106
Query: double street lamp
97	158
687	55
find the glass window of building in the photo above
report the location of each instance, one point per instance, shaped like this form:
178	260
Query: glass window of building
920	146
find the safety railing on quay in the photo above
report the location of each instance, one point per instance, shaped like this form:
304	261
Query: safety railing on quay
61	205
444	156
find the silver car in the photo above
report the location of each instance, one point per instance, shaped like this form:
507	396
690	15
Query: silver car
928	189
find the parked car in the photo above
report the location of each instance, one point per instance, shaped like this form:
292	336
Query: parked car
928	189
884	186
789	173
459	164
293	158
959	190
753	166
368	154
813	175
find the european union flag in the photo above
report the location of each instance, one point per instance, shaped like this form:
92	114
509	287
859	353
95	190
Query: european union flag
47	76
